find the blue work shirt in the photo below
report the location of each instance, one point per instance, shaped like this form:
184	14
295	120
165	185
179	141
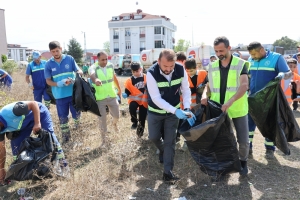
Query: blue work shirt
59	71
37	74
7	78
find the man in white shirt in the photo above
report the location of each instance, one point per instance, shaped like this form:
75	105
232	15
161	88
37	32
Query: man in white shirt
165	80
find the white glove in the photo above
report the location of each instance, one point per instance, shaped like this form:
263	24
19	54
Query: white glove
30	86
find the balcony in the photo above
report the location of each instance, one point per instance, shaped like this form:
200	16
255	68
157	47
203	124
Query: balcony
116	50
142	49
116	36
142	35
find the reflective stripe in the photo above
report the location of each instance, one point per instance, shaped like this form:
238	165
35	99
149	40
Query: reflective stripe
262	68
107	81
251	133
166	84
193	104
63	74
269	143
37	70
21	122
193	96
161	111
230	89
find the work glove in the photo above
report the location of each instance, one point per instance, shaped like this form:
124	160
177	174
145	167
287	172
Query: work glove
279	76
30	86
62	83
181	114
124	95
191	119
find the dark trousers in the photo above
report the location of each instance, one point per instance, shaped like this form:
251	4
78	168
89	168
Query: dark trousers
133	106
295	105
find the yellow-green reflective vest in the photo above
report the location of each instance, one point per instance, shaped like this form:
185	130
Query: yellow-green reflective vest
107	88
240	107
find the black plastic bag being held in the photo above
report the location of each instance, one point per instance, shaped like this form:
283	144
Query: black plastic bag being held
211	141
29	164
49	92
273	116
83	98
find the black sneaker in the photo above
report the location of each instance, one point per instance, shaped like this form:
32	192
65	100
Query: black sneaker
140	130
161	156
133	126
244	171
170	178
269	153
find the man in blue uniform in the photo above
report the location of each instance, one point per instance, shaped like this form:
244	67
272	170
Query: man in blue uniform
59	74
265	67
35	69
17	121
6	79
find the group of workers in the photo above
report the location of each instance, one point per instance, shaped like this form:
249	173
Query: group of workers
164	96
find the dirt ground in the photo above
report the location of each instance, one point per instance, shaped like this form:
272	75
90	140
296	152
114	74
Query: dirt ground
129	169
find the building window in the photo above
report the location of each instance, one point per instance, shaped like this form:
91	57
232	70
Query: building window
9	54
163	29
157	30
142	30
158	44
138	16
127	45
142	46
21	54
127	32
116	33
116	47
126	18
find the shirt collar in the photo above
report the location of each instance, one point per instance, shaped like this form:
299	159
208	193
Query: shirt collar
62	55
141	75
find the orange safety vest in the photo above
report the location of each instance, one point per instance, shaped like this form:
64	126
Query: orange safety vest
201	75
135	94
285	85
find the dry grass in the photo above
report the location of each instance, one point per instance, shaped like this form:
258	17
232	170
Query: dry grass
129	167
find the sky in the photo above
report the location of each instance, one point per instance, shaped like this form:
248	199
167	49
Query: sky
34	23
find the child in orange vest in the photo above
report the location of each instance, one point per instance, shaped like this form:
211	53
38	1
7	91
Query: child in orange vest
285	84
136	93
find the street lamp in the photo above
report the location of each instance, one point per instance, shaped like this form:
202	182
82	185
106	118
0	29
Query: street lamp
84	45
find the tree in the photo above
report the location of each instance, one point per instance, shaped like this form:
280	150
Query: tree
286	43
106	47
182	45
3	58
75	50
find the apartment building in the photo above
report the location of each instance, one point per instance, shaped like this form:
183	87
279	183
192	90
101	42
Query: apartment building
3	41
16	52
131	33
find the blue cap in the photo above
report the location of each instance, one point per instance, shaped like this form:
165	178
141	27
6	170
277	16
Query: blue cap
36	55
236	54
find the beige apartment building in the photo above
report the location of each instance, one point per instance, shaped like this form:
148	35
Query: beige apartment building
3	41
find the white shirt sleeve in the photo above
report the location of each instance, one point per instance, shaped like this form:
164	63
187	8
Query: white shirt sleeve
155	95
91	69
185	91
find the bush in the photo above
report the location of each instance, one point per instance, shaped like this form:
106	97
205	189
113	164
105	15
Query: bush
3	58
9	66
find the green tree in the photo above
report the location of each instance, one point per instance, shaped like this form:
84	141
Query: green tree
75	50
106	47
10	66
182	45
3	58
286	43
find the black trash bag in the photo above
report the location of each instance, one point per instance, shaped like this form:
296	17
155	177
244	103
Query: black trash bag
273	116
49	92
33	161
211	141
83	98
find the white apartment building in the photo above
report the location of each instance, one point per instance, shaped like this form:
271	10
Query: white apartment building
130	33
3	42
16	52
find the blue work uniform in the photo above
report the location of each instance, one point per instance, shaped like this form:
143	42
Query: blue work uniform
7	80
17	117
58	71
39	82
261	73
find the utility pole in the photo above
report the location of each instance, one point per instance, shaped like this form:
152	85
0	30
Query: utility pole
84	45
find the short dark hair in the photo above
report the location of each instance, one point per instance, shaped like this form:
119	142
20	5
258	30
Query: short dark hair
181	56
291	60
101	53
212	57
169	54
54	45
221	39
134	66
190	63
254	45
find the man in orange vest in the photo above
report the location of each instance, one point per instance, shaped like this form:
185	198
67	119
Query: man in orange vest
137	97
285	84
